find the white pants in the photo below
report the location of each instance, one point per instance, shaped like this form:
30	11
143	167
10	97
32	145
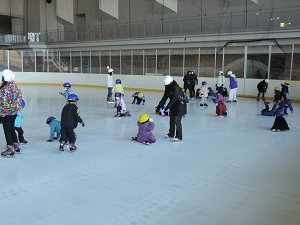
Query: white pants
232	94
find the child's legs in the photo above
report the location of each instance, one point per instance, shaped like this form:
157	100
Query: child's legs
64	134
71	135
20	134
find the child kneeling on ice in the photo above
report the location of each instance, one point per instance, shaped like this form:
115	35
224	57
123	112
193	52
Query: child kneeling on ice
146	125
280	123
221	109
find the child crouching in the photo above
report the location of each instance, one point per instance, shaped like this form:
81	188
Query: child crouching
146	125
221	109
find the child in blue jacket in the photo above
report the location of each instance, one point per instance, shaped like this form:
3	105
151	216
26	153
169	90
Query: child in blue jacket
55	127
18	124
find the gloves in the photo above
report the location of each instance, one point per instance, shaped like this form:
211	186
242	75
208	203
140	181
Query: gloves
83	124
60	93
49	140
150	120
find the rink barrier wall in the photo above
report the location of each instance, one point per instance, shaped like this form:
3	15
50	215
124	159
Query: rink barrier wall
247	87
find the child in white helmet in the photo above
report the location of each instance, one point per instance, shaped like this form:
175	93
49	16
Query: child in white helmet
146	125
109	85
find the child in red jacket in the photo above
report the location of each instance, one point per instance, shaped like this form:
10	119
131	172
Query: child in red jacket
221	109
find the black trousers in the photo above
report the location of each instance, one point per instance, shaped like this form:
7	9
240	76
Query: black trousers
8	123
175	127
68	134
20	134
191	90
263	94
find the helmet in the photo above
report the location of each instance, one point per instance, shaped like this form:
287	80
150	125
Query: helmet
204	83
167	80
140	95
73	98
118	81
118	94
8	75
180	86
267	80
221	73
143	118
198	89
193	71
277	88
23	103
49	120
67	84
110	70
287	83
216	100
229	72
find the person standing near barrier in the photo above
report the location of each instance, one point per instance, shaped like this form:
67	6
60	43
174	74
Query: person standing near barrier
233	85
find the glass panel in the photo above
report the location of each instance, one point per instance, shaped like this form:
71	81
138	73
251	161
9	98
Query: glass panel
257	62
207	62
85	57
64	59
95	63
137	62
126	62
191	60
104	61
163	61
115	61
281	62
76	63
234	60
28	61
296	63
176	67
41	62
150	62
15	61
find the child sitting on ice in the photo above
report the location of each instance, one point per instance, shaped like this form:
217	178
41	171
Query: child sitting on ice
210	92
120	106
266	111
221	109
280	123
146	125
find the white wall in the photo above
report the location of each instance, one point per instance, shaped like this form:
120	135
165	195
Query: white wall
247	87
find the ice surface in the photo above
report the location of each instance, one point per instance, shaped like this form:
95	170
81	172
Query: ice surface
227	171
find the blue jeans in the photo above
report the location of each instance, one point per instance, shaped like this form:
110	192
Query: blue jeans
109	93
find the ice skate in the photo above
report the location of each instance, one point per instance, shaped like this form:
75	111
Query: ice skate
24	142
16	147
201	104
146	143
133	138
176	140
61	146
9	151
127	114
205	104
258	99
73	148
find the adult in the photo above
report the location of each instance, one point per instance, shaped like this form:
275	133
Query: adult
109	84
262	89
10	104
176	105
220	82
189	84
233	85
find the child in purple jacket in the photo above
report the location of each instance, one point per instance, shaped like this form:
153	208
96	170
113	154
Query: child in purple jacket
146	125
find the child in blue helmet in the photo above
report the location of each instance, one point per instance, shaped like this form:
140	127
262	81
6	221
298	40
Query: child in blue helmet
139	98
55	128
120	106
203	94
70	117
18	124
67	92
285	104
118	88
280	123
221	108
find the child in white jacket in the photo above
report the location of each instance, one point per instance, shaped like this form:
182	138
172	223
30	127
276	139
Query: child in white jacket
120	106
203	94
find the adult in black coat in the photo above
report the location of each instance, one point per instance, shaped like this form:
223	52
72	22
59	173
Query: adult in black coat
262	88
176	105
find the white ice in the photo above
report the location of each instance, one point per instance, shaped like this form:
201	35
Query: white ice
227	171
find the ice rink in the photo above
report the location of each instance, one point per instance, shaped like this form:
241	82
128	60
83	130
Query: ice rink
226	171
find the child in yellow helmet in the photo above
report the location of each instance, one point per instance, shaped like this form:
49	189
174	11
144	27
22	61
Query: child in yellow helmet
139	97
277	95
146	125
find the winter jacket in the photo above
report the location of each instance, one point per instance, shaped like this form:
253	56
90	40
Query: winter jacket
142	99
262	86
220	108
55	127
177	104
188	79
203	91
277	96
233	82
118	88
284	89
109	81
10	99
67	93
220	81
70	116
19	118
144	133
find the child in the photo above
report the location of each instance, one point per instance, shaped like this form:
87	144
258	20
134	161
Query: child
280	123
266	111
55	127
210	92
18	124
203	94
138	97
146	125
185	95
70	117
277	95
284	90
198	93
221	109
120	106
163	112
225	92
67	92
109	84
118	88
262	87
285	104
